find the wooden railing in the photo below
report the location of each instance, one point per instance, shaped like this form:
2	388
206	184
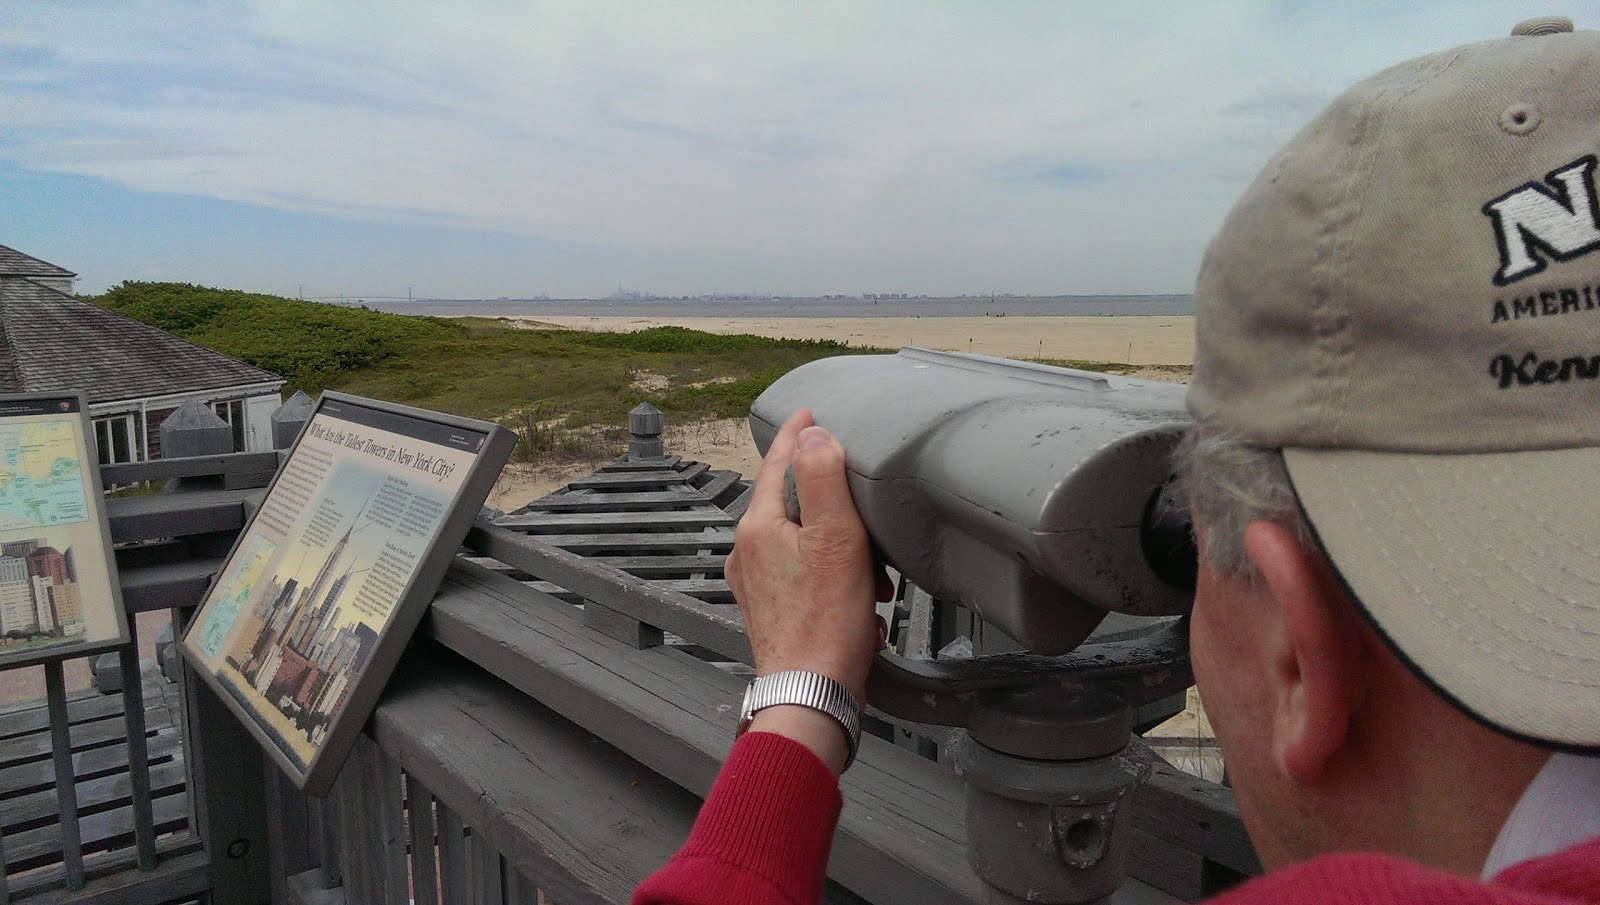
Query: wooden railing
528	748
138	794
551	751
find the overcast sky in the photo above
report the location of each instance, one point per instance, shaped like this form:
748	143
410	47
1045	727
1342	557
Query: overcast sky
483	149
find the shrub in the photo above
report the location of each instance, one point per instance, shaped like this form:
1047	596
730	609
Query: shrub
309	344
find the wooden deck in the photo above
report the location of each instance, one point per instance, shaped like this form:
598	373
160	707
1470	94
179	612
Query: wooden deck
568	699
30	816
671	705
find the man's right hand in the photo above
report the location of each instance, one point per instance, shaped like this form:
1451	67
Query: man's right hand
806	592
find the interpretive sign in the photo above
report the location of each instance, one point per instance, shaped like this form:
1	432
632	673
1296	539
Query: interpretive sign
59	597
314	604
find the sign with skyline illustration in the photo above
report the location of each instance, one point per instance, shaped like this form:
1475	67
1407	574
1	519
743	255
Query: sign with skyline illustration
59	596
309	613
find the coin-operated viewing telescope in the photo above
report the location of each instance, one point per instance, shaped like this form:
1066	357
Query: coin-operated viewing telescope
1037	497
1029	493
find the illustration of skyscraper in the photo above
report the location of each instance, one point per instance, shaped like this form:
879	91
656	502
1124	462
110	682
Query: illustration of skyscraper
17	614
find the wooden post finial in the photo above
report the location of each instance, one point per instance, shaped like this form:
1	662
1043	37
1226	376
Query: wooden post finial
645	425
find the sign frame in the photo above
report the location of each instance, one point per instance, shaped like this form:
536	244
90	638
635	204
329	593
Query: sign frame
365	682
77	405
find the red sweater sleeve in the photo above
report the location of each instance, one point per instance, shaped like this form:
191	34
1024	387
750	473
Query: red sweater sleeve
762	836
1571	877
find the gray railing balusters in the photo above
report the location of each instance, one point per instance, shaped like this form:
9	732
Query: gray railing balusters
453	867
66	781
138	752
424	874
487	881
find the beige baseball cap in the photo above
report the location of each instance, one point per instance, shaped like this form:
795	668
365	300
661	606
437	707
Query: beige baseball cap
1407	301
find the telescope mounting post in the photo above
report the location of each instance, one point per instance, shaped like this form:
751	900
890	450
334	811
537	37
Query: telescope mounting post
1049	758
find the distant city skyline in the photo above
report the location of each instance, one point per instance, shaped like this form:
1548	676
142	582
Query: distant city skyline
486	150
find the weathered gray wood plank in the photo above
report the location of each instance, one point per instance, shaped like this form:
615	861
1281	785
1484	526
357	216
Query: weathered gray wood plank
164	586
289	833
740	503
721	482
35	745
664	566
98	832
520	890
675	497
160	515
576	815
1198	815
70	830
715	626
1166	865
629	480
330	829
391	836
710	590
488	883
655	464
248	480
312	887
707	516
43	807
424	867
454	886
178	878
84	707
188	467
228	787
715	539
677	715
365	864
138	751
693	470
626	629
902	838
92	764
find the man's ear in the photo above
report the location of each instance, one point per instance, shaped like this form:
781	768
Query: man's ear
1316	663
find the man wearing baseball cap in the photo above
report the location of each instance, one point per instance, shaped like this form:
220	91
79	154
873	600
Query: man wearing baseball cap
1395	483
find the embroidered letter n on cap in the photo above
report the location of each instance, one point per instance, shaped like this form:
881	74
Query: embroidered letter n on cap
1562	221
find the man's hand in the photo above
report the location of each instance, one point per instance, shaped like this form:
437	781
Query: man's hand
806	592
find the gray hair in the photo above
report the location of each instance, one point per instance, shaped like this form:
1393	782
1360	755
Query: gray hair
1229	484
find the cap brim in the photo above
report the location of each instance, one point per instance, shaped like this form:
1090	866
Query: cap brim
1481	571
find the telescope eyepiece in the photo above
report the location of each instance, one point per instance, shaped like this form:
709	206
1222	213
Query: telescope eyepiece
1167	537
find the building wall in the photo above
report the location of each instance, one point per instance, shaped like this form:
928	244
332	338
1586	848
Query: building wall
147	420
153	428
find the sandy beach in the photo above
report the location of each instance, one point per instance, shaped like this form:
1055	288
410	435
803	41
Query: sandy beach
1163	345
1131	340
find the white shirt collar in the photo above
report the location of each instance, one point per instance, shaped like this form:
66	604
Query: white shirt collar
1559	809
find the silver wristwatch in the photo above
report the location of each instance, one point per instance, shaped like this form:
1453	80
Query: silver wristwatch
808	689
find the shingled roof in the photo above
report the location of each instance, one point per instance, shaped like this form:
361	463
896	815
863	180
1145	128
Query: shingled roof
52	341
14	263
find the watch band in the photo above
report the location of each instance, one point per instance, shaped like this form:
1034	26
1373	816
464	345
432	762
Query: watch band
807	689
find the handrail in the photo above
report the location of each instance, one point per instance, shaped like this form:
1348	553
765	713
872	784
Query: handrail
511	670
191	466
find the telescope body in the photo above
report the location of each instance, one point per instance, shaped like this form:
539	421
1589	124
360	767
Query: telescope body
1019	490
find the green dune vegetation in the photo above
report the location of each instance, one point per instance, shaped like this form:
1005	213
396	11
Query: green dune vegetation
564	391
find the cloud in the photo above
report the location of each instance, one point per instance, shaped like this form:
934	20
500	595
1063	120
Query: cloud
818	147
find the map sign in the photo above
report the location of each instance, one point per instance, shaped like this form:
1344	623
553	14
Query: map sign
58	594
310	611
41	474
